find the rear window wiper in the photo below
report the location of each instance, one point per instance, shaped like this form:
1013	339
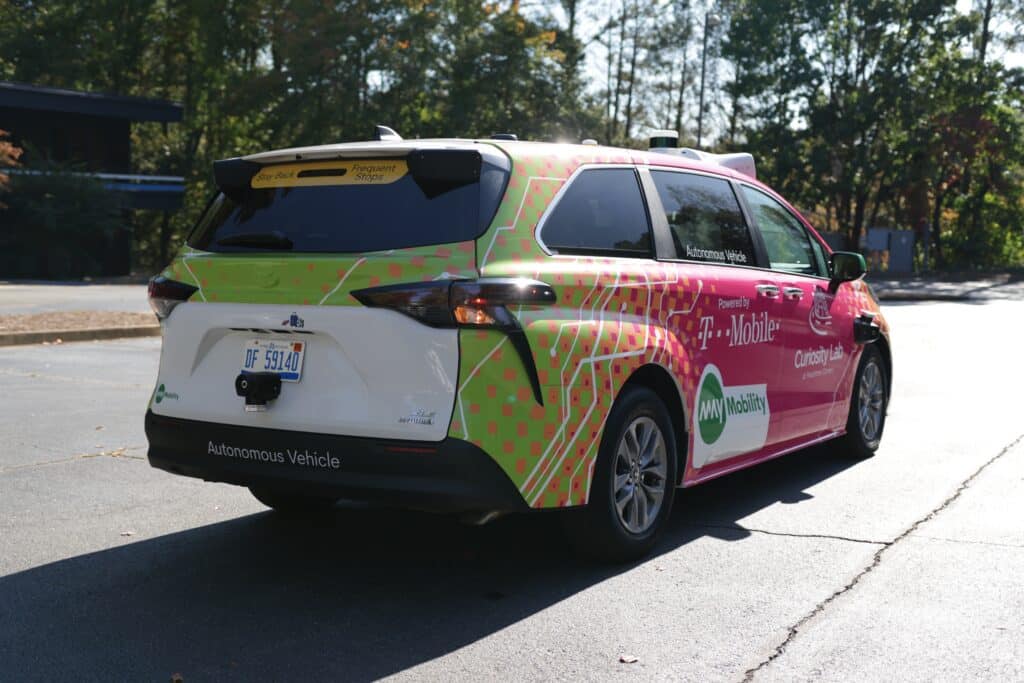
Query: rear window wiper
260	240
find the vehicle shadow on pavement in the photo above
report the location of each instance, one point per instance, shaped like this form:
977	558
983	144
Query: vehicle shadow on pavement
358	595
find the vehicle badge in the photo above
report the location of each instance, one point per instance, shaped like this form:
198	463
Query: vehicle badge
162	393
294	321
820	319
265	277
420	417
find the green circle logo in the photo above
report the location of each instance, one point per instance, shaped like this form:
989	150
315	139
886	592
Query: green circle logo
710	409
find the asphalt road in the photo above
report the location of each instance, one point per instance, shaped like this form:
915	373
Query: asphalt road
907	566
48	297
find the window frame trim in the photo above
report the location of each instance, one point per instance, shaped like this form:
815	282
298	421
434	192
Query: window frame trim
811	234
573	177
760	252
490	156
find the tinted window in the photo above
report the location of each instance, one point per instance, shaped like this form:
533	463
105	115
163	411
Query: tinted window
347	218
705	217
788	242
602	212
819	256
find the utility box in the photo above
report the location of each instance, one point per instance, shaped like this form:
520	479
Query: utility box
877	239
901	251
888	250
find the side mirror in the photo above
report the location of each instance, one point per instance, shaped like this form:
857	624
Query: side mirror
845	266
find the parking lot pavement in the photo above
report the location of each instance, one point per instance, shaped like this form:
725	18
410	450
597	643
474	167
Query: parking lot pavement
38	297
957	612
812	566
965	287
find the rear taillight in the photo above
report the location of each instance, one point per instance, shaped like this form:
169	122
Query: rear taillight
482	303
165	294
460	303
427	302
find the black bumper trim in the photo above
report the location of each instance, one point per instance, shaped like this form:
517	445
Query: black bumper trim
450	475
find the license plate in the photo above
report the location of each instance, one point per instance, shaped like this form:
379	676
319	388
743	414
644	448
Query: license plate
275	355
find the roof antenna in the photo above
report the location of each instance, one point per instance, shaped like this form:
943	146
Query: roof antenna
385	134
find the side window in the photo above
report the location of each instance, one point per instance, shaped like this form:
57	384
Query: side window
602	212
819	256
788	243
705	218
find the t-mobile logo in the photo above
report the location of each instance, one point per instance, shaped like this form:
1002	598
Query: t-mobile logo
705	331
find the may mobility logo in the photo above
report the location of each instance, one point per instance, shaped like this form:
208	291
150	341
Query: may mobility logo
729	420
162	393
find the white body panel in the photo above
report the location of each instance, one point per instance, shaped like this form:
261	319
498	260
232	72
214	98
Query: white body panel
367	372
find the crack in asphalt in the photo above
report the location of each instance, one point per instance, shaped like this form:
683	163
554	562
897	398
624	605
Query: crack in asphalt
738	527
116	453
966	542
876	560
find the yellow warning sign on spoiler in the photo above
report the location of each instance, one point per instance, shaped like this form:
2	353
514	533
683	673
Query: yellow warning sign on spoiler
356	172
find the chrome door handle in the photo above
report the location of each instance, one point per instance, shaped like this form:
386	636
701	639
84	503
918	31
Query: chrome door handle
793	293
767	291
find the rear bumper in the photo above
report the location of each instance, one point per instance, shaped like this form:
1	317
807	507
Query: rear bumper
450	475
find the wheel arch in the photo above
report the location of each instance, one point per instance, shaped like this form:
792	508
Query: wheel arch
883	346
660	381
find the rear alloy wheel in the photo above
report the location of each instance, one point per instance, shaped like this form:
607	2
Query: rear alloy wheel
867	405
291	504
634	481
641	463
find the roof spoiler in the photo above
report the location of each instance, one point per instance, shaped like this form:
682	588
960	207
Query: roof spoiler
667	141
233	176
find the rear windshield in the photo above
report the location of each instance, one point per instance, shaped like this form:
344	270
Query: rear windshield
336	207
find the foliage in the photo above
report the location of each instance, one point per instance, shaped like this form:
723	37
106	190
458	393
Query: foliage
59	224
883	113
9	155
866	113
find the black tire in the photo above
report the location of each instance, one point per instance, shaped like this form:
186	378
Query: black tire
870	391
598	529
292	504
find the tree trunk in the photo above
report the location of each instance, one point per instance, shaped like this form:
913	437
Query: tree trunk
940	199
572	57
608	82
165	236
734	114
618	75
858	216
986	33
679	101
632	70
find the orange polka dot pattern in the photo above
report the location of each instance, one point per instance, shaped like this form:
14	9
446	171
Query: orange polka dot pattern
612	317
609	321
314	279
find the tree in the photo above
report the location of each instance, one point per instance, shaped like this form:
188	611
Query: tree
865	112
9	155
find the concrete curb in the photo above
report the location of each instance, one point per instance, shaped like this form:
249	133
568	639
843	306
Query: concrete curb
921	296
95	334
102	333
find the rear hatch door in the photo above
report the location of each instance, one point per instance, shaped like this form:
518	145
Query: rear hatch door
275	259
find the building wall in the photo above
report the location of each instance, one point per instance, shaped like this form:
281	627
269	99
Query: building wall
100	144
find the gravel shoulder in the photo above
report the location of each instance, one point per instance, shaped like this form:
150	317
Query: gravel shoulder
73	320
